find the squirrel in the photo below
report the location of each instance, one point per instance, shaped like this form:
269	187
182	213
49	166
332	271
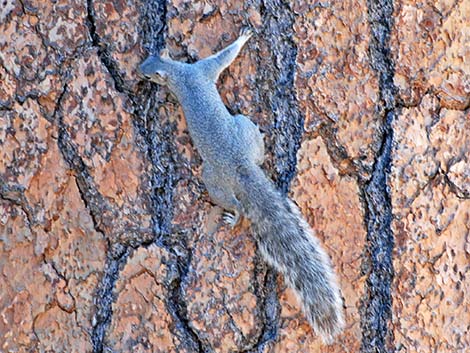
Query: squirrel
232	150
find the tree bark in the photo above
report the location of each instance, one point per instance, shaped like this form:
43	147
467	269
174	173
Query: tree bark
108	240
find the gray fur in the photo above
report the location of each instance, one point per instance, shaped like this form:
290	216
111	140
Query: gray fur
232	149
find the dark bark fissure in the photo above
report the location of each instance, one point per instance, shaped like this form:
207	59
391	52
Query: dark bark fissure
158	136
104	297
270	307
276	90
96	204
88	192
276	95
103	51
376	307
340	158
178	308
459	192
14	193
159	151
153	25
101	214
93	200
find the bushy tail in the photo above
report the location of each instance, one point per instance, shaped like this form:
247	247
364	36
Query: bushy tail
287	243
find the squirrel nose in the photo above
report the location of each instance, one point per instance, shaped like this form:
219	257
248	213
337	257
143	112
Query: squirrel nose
147	65
141	72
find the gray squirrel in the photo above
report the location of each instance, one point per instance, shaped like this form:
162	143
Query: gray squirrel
232	150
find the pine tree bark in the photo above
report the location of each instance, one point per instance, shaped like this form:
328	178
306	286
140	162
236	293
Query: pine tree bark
108	240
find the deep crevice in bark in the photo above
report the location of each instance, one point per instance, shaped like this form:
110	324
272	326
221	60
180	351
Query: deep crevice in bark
103	51
14	193
153	25
276	89
104	297
159	151
178	308
89	194
340	158
376	310
271	310
459	192
376	307
158	137
99	212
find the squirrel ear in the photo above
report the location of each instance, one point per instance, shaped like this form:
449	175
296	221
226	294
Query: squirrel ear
165	53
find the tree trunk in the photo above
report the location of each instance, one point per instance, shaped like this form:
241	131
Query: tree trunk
108	240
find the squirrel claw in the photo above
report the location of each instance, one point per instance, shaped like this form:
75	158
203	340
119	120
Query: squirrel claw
165	53
230	218
246	32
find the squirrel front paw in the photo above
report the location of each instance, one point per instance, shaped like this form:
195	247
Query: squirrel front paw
165	53
246	32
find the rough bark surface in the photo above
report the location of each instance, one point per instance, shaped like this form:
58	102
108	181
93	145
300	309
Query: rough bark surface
108	241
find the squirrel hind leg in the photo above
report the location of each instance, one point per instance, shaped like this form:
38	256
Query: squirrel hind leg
221	196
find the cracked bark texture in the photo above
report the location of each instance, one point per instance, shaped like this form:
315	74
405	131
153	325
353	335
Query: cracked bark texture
108	241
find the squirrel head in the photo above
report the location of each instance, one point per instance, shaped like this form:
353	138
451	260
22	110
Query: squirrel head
155	68
163	70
